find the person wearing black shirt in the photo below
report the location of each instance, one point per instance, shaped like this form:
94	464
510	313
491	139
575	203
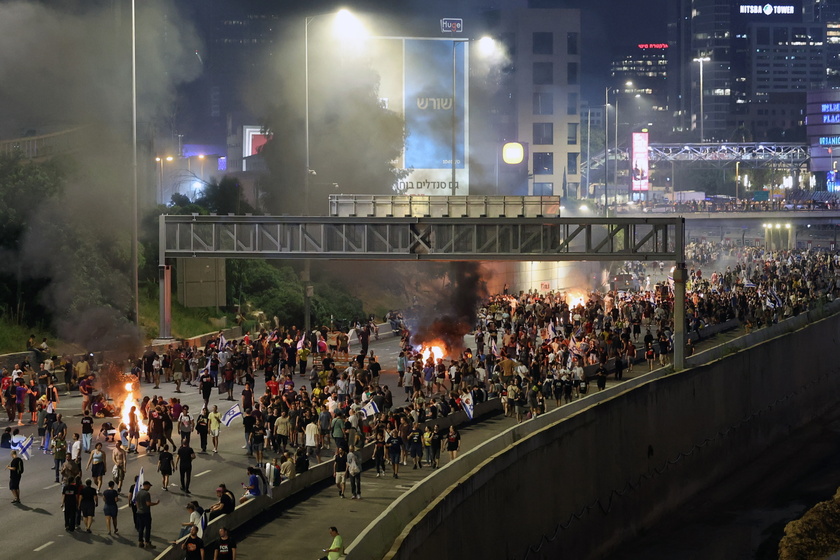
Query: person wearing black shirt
165	461
15	471
205	383
225	505
70	499
193	546
184	463
340	470
395	444
248	423
435	445
225	547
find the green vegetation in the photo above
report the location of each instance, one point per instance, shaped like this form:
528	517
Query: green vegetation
13	337
186	321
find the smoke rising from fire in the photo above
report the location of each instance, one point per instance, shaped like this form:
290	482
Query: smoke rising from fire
452	314
66	65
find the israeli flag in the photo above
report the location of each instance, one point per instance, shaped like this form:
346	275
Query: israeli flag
137	485
468	404
202	522
368	410
229	416
23	448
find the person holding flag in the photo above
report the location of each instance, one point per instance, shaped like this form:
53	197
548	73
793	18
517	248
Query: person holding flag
15	468
231	414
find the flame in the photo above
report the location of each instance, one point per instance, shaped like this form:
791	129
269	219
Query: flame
128	402
575	298
432	350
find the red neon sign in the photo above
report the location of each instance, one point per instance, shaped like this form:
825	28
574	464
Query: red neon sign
653	45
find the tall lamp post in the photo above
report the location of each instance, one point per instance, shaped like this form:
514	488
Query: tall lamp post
135	218
702	60
606	146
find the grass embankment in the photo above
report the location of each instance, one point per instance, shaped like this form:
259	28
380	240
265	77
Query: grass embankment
186	321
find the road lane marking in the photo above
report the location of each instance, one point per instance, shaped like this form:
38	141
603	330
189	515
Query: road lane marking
52	486
125	506
43	546
203	473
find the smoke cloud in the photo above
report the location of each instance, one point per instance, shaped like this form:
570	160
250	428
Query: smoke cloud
69	65
452	314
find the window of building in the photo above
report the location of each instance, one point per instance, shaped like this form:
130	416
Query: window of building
543	73
572	43
572	73
572	134
544	133
780	35
543	163
543	42
544	103
572	107
762	36
572	162
543	189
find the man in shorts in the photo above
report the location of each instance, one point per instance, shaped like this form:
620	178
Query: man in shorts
340	470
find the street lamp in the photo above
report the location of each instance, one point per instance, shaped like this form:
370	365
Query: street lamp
345	24
160	161
135	218
702	60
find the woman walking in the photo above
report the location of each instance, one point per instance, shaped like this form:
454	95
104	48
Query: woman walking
453	443
96	464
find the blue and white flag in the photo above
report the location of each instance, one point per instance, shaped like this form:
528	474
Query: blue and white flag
23	448
369	409
231	414
202	523
222	341
137	485
467	403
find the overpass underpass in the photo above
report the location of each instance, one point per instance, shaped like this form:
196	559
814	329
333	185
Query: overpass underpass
421	238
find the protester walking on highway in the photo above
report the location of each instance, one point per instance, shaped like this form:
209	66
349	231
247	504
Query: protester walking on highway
354	473
165	466
88	502
215	425
144	506
184	461
15	468
97	465
453	443
110	509
119	457
225	548
336	549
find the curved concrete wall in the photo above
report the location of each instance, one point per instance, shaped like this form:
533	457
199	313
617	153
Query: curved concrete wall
579	481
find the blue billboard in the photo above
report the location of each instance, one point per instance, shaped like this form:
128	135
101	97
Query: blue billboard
429	71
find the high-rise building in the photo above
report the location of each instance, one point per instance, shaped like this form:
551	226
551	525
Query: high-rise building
639	77
749	57
538	102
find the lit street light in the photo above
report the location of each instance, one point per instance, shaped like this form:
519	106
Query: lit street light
702	60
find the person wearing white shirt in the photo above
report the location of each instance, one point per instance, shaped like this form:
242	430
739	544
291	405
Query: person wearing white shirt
76	449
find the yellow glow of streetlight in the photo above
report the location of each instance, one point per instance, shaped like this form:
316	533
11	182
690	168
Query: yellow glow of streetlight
513	153
169	158
348	26
487	46
200	156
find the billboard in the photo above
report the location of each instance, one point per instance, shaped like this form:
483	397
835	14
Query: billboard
640	179
425	80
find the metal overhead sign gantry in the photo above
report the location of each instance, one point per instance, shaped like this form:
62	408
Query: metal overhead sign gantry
425	238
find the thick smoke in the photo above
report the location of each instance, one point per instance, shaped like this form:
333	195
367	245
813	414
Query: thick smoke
452	314
66	66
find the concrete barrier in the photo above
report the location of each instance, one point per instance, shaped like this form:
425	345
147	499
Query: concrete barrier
596	472
315	475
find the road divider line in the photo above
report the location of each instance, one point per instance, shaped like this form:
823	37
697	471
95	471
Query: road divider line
52	486
125	506
43	546
203	473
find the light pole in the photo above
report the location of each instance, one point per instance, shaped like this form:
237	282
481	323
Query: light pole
606	146
588	144
135	218
702	60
